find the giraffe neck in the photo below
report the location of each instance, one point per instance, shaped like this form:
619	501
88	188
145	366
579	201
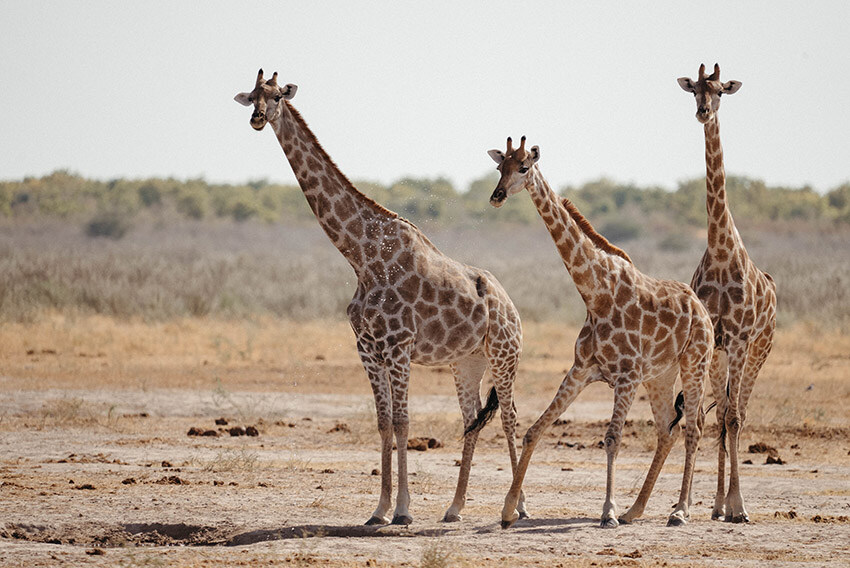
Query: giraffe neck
719	218
346	215
581	247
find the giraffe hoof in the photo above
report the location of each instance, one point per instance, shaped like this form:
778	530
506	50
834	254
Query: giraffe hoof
402	520
676	521
624	521
611	523
508	524
377	521
451	518
717	515
742	518
523	515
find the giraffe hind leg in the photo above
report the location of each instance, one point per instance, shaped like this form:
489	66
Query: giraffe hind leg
664	411
467	375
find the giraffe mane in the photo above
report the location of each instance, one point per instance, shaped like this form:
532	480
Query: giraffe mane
596	238
365	199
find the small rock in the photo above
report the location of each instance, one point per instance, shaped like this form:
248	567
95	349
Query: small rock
221	421
211	433
166	463
340	427
236	431
195	431
773	460
748	462
251	431
88	486
327	470
95	552
129	481
216	482
376	471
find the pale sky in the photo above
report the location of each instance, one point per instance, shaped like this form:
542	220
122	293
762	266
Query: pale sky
391	89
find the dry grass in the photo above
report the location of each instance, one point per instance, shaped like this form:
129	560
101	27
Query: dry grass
250	270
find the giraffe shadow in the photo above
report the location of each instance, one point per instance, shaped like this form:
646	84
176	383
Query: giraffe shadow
319	531
551	526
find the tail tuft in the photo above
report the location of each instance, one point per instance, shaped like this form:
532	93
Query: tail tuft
680	410
486	414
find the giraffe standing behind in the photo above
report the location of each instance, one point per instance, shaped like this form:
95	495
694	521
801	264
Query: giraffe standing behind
413	304
740	298
638	330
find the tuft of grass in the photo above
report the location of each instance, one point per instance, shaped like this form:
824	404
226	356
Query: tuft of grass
436	555
230	460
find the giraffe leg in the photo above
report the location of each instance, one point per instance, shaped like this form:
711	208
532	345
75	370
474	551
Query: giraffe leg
383	406
735	511
467	374
398	370
571	386
503	379
693	372
719	377
662	400
624	395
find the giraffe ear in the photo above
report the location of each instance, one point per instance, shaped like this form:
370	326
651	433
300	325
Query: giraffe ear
535	154
497	156
243	99
288	91
731	87
686	84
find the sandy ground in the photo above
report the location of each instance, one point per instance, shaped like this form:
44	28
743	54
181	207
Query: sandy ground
97	469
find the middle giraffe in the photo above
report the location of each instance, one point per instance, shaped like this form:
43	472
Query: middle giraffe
638	329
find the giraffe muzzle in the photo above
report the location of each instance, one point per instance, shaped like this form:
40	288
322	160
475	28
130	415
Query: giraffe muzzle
498	197
258	120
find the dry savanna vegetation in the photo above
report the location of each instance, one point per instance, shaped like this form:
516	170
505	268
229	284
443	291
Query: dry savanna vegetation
112	350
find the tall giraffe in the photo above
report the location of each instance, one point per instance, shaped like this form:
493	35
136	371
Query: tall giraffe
740	298
638	330
413	304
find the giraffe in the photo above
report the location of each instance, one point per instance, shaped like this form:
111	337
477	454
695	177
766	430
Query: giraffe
740	298
638	330
412	304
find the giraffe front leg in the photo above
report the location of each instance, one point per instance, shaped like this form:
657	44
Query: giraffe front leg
398	370
735	511
624	394
383	407
719	378
571	386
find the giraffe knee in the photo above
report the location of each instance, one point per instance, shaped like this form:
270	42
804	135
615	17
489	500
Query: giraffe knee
612	442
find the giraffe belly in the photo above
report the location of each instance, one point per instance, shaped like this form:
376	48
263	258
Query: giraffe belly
428	353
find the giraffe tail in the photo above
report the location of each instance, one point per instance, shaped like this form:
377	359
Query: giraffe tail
680	409
486	414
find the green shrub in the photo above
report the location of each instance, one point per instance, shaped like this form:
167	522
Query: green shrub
109	224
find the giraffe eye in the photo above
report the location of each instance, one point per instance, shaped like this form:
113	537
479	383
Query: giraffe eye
523	169
277	99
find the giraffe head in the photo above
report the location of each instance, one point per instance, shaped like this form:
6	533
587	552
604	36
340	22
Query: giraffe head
515	166
707	90
266	98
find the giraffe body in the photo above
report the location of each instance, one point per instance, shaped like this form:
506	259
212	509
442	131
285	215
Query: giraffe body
412	304
638	330
740	298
